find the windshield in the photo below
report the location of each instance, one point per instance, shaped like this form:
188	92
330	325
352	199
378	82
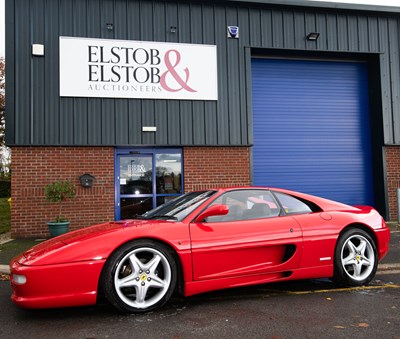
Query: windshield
178	208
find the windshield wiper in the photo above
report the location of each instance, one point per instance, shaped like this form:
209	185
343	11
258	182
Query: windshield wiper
162	217
139	216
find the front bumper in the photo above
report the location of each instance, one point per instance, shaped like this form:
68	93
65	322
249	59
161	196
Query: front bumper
60	285
383	238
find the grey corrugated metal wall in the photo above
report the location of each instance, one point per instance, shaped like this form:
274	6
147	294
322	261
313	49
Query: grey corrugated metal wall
36	115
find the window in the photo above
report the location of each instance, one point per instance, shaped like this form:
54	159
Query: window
169	173
292	205
146	178
247	205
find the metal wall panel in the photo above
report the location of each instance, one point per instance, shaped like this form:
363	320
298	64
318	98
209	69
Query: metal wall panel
36	115
135	122
23	77
372	36
38	74
244	20
394	78
10	135
385	80
222	56
362	27
310	27
299	29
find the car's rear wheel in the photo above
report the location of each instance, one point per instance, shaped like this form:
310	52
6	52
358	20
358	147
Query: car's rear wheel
355	258
140	276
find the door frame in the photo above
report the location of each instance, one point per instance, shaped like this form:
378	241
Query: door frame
150	151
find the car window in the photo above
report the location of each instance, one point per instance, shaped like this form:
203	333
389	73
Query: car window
247	205
292	205
178	208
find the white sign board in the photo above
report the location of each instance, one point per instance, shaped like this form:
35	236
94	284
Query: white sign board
136	69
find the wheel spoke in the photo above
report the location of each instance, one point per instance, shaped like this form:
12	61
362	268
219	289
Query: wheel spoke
157	282
361	248
152	264
349	260
366	262
351	247
357	270
141	291
126	281
136	264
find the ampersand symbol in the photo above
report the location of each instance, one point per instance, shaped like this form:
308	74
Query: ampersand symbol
174	73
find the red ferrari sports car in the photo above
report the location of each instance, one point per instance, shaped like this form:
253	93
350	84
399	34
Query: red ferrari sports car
199	242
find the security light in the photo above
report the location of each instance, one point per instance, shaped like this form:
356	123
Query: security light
313	36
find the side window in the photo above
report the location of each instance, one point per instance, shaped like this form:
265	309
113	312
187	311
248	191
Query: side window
234	205
292	205
247	205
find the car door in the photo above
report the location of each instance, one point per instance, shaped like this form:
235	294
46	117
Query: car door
252	239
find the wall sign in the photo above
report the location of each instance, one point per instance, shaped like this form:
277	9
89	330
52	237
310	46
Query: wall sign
135	69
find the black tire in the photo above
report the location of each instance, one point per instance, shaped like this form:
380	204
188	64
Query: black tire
140	276
356	258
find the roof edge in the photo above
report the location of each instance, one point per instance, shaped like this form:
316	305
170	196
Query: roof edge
324	4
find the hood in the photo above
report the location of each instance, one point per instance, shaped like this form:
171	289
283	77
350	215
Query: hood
97	230
90	243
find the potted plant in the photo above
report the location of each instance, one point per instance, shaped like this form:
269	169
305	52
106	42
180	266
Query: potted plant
58	192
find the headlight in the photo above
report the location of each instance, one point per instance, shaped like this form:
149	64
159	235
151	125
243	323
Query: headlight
19	279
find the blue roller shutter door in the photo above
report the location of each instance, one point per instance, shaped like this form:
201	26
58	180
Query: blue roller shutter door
312	129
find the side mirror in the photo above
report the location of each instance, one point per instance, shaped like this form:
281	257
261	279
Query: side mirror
215	210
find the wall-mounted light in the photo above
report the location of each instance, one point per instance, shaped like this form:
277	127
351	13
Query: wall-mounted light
86	180
109	26
172	29
149	128
313	36
38	49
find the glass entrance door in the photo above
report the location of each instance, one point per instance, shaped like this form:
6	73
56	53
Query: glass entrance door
135	185
146	179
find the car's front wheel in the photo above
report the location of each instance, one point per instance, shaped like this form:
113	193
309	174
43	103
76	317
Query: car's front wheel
140	276
355	258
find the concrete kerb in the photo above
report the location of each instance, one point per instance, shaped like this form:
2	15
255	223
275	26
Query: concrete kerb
5	269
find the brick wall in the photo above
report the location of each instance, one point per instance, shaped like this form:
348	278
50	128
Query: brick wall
35	167
210	167
393	178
